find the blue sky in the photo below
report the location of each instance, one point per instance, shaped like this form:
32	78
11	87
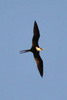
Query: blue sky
19	77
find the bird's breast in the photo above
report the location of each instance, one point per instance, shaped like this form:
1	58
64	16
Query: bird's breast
38	49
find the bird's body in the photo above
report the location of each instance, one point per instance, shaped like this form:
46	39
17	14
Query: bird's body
35	49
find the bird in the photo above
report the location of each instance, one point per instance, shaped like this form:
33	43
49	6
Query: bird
35	49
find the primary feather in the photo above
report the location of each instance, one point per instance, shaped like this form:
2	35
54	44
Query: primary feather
36	35
39	63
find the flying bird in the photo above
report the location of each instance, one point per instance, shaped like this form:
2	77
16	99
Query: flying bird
35	49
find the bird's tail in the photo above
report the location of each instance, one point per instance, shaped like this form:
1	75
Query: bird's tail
24	51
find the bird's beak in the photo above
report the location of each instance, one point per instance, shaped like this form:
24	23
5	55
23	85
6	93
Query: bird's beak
43	48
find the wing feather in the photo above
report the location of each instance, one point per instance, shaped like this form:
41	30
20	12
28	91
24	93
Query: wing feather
39	63
36	35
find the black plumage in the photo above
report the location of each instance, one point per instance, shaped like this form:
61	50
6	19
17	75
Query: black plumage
35	49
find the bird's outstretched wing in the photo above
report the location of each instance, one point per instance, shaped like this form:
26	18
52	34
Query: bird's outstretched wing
39	63
36	35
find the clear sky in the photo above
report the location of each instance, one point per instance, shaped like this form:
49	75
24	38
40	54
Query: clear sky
19	77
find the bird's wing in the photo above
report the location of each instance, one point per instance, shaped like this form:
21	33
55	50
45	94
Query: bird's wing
39	62
36	35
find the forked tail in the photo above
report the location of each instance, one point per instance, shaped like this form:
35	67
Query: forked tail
24	51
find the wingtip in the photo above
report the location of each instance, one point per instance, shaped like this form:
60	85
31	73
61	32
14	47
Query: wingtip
41	75
41	72
35	22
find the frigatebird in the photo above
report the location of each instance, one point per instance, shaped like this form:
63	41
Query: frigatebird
35	49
